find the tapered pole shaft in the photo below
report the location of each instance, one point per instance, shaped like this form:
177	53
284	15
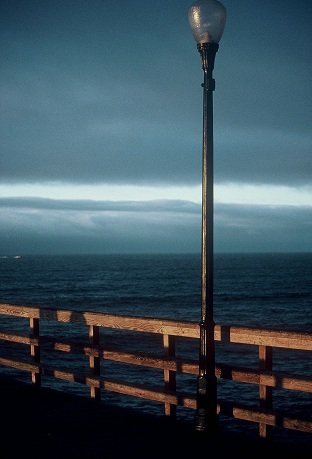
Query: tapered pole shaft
206	414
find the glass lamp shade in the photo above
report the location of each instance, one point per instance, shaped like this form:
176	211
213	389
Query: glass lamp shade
207	20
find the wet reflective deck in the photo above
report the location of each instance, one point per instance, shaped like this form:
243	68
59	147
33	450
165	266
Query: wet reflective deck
43	423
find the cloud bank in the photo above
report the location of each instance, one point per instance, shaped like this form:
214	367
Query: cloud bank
44	226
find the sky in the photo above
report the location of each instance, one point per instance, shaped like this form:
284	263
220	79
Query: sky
101	128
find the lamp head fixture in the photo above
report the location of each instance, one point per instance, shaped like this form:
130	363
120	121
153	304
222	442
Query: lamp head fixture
207	20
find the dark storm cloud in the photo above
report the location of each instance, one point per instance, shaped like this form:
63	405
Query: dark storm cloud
44	226
256	228
108	91
47	226
90	205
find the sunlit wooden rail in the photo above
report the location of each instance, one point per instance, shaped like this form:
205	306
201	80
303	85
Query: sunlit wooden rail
166	391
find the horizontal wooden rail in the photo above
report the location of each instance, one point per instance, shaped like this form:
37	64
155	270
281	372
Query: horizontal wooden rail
257	415
263	337
20	365
119	322
240	374
224	333
278	380
252	414
167	361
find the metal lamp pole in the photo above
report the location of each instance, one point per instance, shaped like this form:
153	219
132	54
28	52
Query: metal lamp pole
207	21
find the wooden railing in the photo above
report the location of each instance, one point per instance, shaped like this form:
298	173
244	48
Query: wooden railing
167	360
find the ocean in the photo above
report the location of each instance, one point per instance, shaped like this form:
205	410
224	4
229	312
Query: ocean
270	290
260	290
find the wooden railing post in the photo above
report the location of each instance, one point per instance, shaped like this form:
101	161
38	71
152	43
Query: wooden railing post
94	361
169	375
35	349
167	363
265	392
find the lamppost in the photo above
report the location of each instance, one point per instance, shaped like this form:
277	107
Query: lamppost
207	20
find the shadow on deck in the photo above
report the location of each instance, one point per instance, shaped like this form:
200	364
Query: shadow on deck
43	423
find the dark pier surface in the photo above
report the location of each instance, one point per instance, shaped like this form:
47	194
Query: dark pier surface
43	423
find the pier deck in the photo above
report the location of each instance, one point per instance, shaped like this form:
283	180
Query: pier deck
44	423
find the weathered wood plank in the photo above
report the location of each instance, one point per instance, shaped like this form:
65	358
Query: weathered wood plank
169	375
274	419
240	374
34	349
225	408
272	379
265	392
94	361
264	337
21	339
155	393
118	322
147	325
20	365
233	334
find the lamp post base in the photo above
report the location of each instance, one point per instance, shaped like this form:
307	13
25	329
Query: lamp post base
206	423
206	417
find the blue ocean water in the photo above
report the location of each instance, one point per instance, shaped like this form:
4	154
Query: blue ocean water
270	290
261	290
